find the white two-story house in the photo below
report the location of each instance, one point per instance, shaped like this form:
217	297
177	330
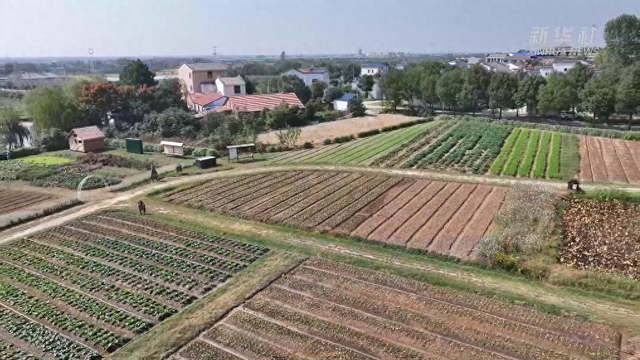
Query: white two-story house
310	75
373	69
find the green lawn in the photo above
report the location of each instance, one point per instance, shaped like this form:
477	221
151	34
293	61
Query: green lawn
47	160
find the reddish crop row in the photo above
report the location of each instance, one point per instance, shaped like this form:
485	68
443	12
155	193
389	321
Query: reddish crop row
325	309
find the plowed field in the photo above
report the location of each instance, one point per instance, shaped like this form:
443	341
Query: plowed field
443	217
329	310
604	159
84	289
12	200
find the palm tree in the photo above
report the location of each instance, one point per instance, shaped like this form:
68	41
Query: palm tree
12	133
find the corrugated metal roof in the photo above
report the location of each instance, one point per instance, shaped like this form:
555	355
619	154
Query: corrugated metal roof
232	80
87	133
346	97
207	66
253	103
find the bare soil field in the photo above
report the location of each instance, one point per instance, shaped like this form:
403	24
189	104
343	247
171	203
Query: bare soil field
84	289
317	133
328	310
13	200
448	218
614	160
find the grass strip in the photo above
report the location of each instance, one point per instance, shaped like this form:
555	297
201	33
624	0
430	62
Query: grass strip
553	172
353	147
541	158
516	155
497	166
525	167
569	157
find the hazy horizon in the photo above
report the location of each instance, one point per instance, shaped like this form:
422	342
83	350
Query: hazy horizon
67	28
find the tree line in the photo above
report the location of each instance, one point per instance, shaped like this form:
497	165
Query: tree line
613	89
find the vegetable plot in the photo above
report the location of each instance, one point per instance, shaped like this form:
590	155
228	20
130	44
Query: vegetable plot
86	288
326	309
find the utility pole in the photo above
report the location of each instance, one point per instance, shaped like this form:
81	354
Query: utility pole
91	69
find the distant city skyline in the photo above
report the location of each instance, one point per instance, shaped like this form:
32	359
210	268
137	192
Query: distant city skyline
119	28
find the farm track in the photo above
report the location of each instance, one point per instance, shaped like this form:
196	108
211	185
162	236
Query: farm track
609	160
102	280
400	211
324	309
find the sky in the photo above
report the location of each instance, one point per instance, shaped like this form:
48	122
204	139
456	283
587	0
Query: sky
52	28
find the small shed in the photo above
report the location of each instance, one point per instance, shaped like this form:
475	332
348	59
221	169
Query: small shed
86	139
343	102
170	148
206	162
134	146
236	150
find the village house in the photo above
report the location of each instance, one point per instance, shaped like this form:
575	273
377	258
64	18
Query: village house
310	75
201	77
373	69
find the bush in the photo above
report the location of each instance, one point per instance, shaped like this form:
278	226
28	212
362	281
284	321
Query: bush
53	141
356	107
363	134
118	144
25	151
343	139
188	150
331	116
212	152
200	152
327	142
271	149
307	145
633	136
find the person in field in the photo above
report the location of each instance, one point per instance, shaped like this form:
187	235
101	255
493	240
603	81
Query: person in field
142	208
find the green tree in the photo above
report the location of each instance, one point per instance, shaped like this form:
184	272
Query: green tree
449	87
356	107
349	72
12	133
528	89
366	84
476	86
292	83
393	87
250	87
52	107
622	36
317	89
333	93
502	90
558	94
137	73
168	94
284	115
628	92
599	96
580	74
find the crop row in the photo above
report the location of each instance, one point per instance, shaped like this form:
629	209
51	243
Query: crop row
218	263
10	352
285	336
540	168
92	285
482	156
200	350
199	245
75	299
502	158
422	139
382	147
523	314
220	185
525	167
40	309
470	326
42	338
341	201
553	171
347	211
107	272
61	237
105	238
230	244
516	155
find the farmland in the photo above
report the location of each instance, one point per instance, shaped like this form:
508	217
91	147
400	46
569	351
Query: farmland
537	154
361	151
442	217
13	200
611	160
602	235
86	288
326	309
